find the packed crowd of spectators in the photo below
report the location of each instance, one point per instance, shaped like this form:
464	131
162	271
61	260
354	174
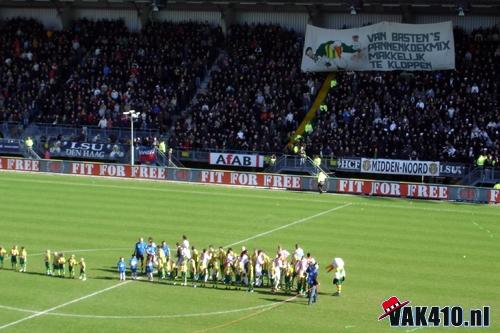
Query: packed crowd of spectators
33	61
257	95
440	115
92	72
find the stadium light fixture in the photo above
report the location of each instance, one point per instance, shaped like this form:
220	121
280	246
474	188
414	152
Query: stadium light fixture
353	10
132	114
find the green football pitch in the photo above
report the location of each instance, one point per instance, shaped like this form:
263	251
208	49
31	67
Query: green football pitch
430	253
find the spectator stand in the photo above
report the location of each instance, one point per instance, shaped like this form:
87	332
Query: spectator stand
448	116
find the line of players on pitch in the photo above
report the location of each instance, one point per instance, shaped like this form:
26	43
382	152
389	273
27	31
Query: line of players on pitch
240	270
54	264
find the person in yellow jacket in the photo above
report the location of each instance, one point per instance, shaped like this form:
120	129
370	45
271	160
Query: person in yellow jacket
321	181
481	160
29	143
162	147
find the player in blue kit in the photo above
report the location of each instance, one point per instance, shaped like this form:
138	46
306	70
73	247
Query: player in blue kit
140	251
166	249
312	283
133	267
121	268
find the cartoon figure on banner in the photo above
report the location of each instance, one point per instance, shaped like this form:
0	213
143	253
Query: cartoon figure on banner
333	54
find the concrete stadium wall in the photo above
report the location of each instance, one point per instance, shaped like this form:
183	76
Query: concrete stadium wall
338	21
263	180
294	21
130	16
212	17
49	17
297	20
468	23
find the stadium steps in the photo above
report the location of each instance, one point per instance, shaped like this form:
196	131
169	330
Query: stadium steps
325	88
293	163
163	160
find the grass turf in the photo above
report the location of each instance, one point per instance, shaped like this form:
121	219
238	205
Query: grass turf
431	253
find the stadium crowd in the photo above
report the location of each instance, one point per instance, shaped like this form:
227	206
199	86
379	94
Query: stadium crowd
440	115
256	96
91	73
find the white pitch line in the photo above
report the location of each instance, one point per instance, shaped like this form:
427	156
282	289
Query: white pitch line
37	314
242	195
490	234
41	313
165	316
305	219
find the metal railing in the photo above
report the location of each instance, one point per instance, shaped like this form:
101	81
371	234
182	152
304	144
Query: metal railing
163	160
87	133
295	163
481	175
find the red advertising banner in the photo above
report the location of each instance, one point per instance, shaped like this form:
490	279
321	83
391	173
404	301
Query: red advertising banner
251	179
19	164
293	182
354	186
118	170
423	191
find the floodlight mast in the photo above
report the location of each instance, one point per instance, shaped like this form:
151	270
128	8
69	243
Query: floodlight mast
132	114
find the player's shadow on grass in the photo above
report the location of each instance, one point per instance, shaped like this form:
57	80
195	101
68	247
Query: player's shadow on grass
297	301
36	273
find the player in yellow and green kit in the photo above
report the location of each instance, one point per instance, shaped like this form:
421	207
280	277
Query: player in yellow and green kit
47	259
251	276
161	262
62	265
83	270
214	270
338	266
55	264
3	252
23	259
72	266
288	270
194	266
14	253
222	259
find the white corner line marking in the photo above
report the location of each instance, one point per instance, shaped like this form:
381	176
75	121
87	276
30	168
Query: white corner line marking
41	313
305	219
